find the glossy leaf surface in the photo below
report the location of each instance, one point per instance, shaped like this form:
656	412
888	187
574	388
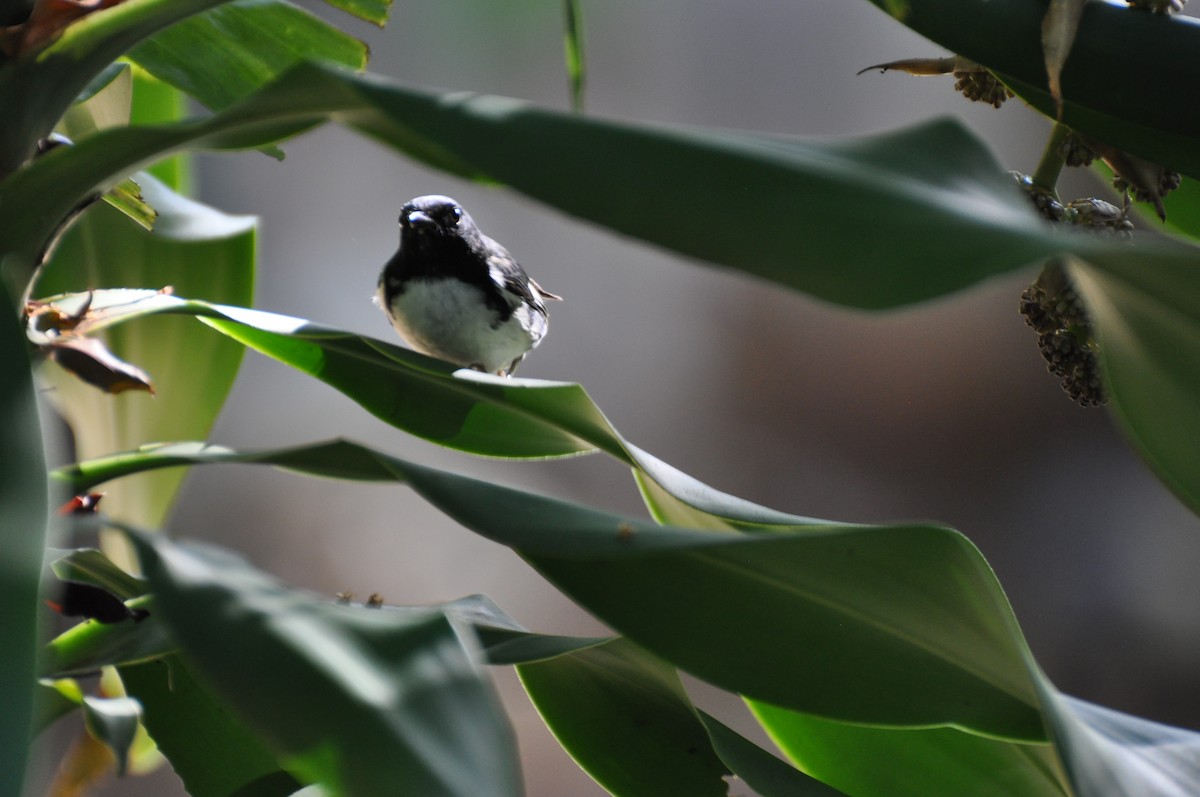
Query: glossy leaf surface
712	603
400	699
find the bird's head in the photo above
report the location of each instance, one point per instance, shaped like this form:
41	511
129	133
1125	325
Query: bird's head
434	221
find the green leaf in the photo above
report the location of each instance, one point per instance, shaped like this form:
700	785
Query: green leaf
1148	325
454	407
226	53
37	89
1133	108
765	773
194	249
941	213
916	616
23	496
373	11
400	700
213	753
615	698
913	762
802	618
113	721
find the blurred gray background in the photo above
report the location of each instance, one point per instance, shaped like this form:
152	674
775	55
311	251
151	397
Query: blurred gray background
942	412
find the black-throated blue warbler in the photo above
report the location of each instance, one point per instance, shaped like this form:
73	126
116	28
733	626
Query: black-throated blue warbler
455	294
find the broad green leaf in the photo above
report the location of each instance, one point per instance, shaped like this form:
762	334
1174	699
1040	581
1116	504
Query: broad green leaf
462	409
37	89
402	704
623	716
741	610
226	53
374	11
901	625
194	249
1132	107
1148	325
454	407
113	721
213	753
913	762
24	499
940	212
765	773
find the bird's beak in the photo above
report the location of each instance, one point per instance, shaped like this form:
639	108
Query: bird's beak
418	221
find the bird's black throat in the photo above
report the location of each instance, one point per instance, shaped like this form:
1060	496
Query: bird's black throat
434	255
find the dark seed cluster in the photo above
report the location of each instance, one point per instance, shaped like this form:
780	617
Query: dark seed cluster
1076	152
982	87
1168	181
1065	338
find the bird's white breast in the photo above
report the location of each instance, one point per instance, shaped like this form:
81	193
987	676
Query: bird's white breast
449	319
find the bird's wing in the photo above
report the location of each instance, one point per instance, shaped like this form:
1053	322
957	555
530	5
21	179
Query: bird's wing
511	279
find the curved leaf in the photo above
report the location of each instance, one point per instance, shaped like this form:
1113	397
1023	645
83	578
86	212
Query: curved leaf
913	762
1131	107
1106	752
935	186
615	697
745	611
222	55
1148	326
195	249
23	496
209	749
400	702
793	617
37	89
765	773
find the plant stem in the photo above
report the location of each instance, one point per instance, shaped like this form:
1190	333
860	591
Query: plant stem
1049	167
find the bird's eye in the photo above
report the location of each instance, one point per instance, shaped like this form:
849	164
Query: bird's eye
456	214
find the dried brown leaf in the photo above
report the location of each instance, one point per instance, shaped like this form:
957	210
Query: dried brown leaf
1059	27
91	361
927	66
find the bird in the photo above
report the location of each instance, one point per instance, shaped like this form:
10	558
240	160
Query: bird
454	293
